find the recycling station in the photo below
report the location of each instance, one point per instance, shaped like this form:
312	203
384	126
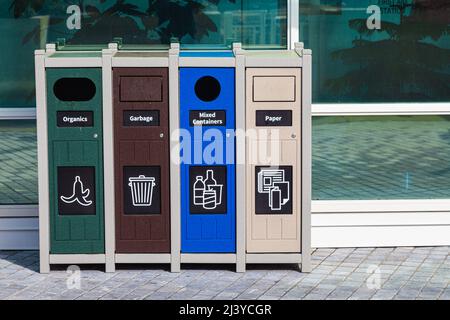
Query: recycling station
173	156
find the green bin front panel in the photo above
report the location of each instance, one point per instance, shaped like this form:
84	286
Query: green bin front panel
75	144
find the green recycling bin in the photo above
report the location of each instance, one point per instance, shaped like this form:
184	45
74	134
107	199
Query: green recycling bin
75	160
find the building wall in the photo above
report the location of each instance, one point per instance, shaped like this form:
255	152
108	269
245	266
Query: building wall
19	234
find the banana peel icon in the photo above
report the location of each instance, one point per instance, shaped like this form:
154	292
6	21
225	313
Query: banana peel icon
79	195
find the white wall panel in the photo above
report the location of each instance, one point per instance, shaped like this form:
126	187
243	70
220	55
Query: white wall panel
19	234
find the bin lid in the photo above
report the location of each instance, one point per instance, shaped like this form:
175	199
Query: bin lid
278	54
61	45
144	47
207	54
141	178
84	47
74	54
142	54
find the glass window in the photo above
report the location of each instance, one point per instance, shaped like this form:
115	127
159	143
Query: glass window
17	61
381	157
28	25
378	50
18	157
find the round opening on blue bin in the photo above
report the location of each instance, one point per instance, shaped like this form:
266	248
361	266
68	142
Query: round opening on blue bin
207	88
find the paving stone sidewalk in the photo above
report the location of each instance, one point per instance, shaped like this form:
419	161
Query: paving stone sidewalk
362	273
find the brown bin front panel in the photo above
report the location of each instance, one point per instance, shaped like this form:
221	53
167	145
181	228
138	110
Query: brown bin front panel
141	149
273	116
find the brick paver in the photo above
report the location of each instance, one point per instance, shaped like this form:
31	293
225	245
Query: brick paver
361	273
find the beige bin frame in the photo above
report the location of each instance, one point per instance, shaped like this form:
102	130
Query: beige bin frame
283	82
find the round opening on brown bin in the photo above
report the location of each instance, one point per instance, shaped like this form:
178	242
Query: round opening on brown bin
74	89
207	88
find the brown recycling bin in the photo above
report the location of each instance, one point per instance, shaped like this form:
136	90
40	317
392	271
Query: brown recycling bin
141	147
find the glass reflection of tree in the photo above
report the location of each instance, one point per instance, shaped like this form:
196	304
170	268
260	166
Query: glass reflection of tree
405	66
158	23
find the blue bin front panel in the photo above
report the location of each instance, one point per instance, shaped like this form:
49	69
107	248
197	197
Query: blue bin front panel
208	188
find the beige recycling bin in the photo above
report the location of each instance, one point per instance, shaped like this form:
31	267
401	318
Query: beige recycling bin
278	157
273	173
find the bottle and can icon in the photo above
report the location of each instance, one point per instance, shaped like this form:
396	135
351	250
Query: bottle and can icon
199	189
207	192
210	199
275	198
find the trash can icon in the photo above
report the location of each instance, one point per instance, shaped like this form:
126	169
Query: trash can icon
142	190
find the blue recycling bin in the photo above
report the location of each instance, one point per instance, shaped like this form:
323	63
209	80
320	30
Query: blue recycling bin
208	190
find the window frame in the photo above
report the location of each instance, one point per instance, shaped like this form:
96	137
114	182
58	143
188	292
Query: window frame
370	109
17	113
380	206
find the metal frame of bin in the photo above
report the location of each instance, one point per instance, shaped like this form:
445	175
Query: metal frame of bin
269	59
236	62
43	60
146	60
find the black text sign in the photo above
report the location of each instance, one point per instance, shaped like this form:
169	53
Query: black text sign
274	118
